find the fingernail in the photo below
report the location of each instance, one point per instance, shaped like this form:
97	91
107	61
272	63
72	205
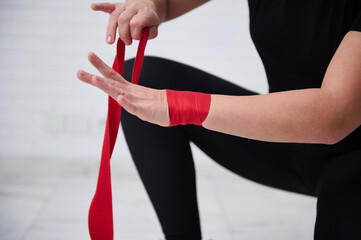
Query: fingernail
109	39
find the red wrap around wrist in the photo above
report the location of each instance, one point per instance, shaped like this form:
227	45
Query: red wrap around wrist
187	107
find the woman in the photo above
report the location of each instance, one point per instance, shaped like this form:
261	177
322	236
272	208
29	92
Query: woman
304	136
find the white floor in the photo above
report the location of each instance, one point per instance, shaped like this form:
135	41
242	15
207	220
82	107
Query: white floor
49	199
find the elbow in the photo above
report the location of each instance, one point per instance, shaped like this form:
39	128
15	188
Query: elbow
335	133
331	141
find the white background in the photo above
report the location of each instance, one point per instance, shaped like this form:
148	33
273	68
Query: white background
46	111
52	124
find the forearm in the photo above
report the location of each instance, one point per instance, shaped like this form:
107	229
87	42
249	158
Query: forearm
176	8
170	9
319	115
305	116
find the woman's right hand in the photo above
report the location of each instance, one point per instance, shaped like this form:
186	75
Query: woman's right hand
130	18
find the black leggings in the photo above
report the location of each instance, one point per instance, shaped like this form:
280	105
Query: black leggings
165	164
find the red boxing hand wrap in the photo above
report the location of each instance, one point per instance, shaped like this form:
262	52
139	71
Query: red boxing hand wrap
100	218
187	107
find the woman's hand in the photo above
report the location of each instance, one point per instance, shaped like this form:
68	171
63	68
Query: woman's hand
146	103
130	18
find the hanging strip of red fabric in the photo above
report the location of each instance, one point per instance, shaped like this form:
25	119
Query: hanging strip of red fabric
100	218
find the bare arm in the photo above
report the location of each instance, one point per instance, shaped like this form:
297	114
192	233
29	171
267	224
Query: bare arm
322	115
176	8
134	15
319	115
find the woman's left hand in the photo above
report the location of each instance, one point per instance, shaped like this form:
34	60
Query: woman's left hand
148	104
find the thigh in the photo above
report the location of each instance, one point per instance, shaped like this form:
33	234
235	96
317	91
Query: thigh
160	73
266	163
263	162
339	199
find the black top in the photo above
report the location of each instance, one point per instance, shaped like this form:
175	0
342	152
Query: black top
296	40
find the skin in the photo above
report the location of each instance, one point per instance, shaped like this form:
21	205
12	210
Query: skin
319	115
146	103
133	15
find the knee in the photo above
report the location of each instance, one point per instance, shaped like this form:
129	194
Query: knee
155	72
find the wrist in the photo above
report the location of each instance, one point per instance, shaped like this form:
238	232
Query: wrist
185	107
160	7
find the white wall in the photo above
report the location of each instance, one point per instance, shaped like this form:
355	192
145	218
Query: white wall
46	112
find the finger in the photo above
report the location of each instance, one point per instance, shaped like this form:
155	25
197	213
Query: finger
109	86
123	25
84	76
104	7
106	70
144	18
153	32
127	105
112	24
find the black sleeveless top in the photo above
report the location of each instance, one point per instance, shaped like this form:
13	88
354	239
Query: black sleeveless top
296	40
